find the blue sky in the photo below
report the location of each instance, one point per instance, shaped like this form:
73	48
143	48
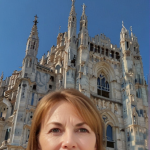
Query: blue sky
104	16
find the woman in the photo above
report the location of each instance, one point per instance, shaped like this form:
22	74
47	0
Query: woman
66	120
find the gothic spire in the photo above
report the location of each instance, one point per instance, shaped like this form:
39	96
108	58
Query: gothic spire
83	20
72	12
72	21
123	30
134	38
34	31
83	6
83	16
33	40
35	20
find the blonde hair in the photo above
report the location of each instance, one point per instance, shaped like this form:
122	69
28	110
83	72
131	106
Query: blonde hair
85	107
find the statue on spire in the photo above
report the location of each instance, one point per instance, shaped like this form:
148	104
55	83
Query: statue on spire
131	28
131	31
35	20
84	6
73	1
122	24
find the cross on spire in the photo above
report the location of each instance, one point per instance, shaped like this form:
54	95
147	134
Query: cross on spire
35	20
84	6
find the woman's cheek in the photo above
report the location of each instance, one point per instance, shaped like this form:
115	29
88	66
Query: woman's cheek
83	140
49	142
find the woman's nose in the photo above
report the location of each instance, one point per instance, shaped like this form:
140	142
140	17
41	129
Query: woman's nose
69	141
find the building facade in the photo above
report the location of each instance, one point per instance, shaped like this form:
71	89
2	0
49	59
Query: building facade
111	77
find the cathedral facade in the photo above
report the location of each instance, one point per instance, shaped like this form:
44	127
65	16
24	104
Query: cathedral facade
111	77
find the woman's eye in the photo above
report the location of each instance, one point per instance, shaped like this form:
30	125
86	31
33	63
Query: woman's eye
83	130
55	130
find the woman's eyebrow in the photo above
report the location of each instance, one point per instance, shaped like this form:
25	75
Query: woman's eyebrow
80	124
55	123
59	124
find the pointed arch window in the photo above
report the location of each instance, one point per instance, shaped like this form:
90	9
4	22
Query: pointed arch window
91	47
109	135
139	93
139	79
32	44
102	86
58	68
127	45
98	49
7	135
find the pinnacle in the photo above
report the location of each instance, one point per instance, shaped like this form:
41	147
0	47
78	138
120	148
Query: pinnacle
123	28
35	20
83	16
34	28
2	76
72	12
84	6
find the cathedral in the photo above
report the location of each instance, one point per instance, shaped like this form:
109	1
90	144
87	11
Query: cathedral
112	77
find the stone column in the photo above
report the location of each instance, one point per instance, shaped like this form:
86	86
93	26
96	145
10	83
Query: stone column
118	138
24	136
27	117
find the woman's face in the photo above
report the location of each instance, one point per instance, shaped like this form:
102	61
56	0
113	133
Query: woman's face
65	130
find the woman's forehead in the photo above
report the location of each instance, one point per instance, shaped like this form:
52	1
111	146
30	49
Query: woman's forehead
62	110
